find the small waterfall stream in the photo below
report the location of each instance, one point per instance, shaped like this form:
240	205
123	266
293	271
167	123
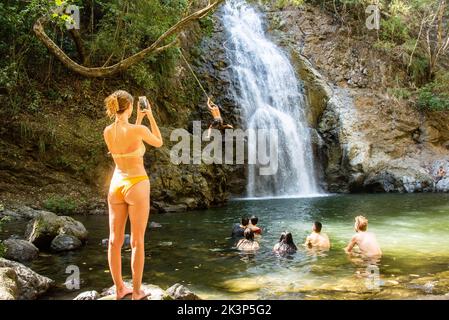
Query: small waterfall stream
270	97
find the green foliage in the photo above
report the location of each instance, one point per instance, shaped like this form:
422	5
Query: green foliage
394	29
400	93
143	76
418	70
285	3
61	205
129	26
435	95
207	25
118	29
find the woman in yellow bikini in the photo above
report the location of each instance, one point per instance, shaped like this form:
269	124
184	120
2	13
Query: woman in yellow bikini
129	192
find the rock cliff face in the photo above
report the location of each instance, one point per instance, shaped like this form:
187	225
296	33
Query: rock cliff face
366	140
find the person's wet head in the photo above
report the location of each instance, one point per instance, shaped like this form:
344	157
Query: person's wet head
361	223
317	226
254	220
245	221
249	234
288	238
282	237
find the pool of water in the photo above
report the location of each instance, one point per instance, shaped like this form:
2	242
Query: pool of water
194	248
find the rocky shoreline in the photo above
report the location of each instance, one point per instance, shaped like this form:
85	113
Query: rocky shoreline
54	234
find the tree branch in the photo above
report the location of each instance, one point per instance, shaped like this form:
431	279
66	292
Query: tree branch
124	64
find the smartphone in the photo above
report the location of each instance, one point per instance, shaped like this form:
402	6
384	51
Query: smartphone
143	102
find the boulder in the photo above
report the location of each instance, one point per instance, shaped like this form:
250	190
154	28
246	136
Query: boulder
180	292
65	242
20	250
8	284
154	292
162	206
46	226
399	180
23	212
72	227
154	225
88	295
126	241
30	284
442	185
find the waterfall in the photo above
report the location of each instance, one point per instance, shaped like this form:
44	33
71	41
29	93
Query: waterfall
269	96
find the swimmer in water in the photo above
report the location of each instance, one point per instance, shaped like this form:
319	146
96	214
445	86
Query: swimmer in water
248	243
317	240
366	241
286	245
239	228
281	240
253	225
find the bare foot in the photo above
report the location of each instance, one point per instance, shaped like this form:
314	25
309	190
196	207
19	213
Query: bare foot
120	294
140	295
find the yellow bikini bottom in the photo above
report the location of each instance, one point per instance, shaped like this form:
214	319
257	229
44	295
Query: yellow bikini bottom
123	184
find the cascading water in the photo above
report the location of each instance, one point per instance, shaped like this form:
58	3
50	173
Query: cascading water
270	97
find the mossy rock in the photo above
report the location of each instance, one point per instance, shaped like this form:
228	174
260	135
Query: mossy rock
46	226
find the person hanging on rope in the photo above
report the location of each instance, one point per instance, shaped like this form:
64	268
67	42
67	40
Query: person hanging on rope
217	122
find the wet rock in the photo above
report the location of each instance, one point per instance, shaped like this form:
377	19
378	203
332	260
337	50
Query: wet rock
243	284
399	180
154	225
126	242
65	242
435	284
72	227
88	295
180	292
153	292
46	226
442	185
29	283
23	212
8	284
20	250
189	202
166	207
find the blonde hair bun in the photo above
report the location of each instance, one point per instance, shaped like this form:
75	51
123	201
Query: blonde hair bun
118	102
111	103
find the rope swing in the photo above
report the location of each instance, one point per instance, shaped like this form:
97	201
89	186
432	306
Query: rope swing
193	73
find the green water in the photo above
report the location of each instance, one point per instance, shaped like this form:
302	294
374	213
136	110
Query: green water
194	249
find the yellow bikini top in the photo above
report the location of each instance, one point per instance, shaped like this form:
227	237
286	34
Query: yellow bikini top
139	152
